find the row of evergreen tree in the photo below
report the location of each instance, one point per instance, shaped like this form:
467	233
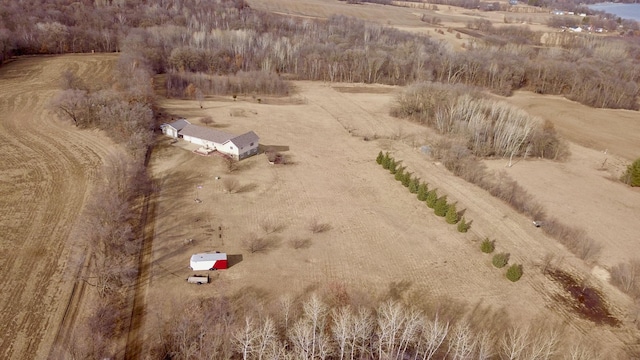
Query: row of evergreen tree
421	189
442	208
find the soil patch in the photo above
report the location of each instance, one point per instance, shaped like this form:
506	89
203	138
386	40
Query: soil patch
586	301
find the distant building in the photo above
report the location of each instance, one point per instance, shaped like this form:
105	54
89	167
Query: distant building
236	146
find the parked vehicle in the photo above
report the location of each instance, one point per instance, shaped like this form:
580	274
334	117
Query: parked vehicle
198	279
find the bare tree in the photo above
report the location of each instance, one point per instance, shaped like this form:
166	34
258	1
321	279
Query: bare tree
461	344
342	327
246	338
207	120
391	317
230	185
433	334
317	227
199	97
270	226
74	105
514	342
231	164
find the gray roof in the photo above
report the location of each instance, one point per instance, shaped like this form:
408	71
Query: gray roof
179	124
205	133
245	139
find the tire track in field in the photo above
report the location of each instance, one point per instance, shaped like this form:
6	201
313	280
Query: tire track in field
48	167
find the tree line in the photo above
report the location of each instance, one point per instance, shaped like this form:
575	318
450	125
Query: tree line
226	37
337	323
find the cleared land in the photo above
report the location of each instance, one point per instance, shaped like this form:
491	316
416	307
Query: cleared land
47	170
381	239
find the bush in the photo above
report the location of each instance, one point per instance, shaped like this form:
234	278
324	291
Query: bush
432	198
463	227
500	260
441	207
514	273
488	246
423	190
632	175
452	214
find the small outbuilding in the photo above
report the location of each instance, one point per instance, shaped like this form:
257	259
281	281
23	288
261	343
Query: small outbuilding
208	261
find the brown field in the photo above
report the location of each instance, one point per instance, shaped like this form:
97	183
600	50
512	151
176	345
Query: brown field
380	238
47	170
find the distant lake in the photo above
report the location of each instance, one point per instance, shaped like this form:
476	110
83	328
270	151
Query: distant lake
625	11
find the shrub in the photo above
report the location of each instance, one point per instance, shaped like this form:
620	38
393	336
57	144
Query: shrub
463	226
488	246
452	214
432	198
441	207
400	173
380	158
500	260
514	272
632	175
423	189
414	184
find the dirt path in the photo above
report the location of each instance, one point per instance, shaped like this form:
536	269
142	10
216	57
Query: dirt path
135	340
47	169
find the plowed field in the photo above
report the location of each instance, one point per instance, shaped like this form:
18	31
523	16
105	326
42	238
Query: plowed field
47	169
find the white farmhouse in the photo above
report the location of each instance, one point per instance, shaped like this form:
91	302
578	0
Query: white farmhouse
236	146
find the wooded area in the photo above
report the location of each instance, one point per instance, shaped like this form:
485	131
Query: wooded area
228	37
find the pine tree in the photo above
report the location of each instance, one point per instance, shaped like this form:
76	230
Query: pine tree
463	227
393	166
632	176
414	183
380	158
441	206
400	173
406	179
432	197
423	190
514	272
386	161
452	214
